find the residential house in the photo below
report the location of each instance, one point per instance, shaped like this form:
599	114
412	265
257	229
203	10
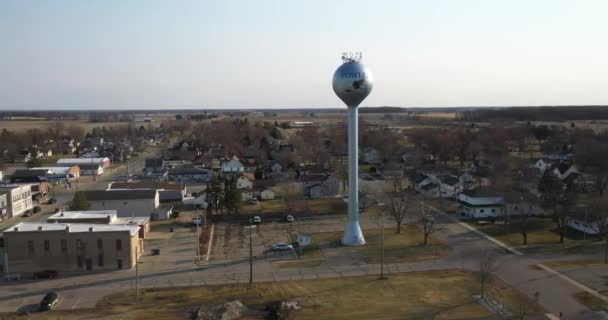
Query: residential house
23	156
319	185
68	145
267	194
275	167
371	156
190	174
198	202
232	166
129	203
245	181
392	170
19	198
36	246
480	206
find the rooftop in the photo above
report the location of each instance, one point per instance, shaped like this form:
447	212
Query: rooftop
72	227
81	160
146	185
124	194
93	214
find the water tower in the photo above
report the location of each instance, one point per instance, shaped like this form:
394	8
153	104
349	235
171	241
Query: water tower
352	83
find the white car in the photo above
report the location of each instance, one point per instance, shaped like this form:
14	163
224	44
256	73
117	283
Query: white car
257	220
290	218
281	247
198	220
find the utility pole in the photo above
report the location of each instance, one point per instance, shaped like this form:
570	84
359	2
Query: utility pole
137	279
198	241
382	244
250	253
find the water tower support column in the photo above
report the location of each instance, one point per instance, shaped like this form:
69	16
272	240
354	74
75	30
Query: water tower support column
352	233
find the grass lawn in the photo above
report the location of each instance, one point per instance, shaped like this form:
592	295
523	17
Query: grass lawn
540	231
592	302
414	296
327	205
398	247
308	257
566	264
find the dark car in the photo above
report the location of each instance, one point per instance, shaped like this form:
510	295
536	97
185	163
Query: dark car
49	301
46	274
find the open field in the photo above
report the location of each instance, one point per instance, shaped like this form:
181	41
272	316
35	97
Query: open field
420	295
24	125
406	246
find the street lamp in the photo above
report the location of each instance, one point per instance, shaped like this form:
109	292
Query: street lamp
381	207
137	278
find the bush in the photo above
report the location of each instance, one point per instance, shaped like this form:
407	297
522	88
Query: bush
37	209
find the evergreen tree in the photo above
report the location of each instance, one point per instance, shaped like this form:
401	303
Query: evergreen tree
80	202
232	195
215	198
259	173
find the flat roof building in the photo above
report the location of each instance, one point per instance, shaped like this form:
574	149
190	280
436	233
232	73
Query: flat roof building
101	217
70	248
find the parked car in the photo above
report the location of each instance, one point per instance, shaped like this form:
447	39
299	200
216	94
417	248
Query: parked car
290	218
253	201
282	247
49	301
52	200
256	220
46	274
198	220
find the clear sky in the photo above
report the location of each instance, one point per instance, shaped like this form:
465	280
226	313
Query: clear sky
272	54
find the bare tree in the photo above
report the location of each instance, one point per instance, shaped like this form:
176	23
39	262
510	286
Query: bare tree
427	221
399	202
487	267
592	157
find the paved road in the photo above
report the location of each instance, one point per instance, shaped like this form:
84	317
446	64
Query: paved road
84	291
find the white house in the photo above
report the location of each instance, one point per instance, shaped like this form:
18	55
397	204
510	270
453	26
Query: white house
267	194
232	166
480	207
245	181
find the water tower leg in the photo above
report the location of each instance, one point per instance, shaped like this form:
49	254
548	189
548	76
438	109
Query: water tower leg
352	231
